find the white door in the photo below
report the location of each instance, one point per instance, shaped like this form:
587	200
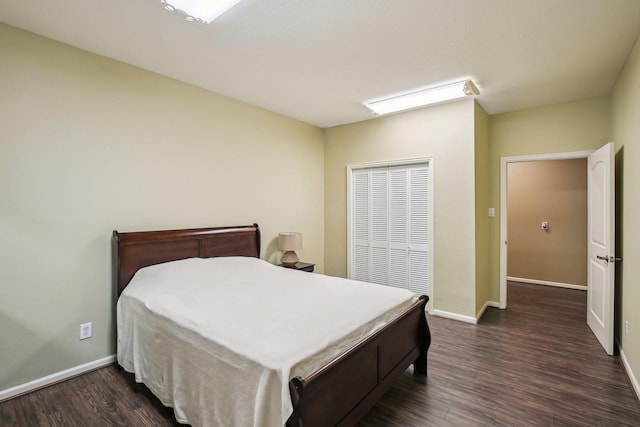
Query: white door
601	227
390	225
369	234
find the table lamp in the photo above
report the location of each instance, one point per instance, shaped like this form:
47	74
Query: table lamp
289	242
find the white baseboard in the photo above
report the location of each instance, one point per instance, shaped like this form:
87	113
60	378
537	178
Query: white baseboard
466	319
55	378
484	308
547	283
632	377
455	316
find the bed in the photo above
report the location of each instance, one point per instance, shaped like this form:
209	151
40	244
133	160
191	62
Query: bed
338	391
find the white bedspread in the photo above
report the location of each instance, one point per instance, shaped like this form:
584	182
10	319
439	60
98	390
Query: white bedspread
218	339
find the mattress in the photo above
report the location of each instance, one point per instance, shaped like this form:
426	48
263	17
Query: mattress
218	339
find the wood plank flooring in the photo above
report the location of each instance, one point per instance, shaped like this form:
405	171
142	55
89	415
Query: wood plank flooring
535	364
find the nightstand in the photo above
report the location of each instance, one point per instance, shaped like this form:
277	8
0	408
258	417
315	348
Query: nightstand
302	266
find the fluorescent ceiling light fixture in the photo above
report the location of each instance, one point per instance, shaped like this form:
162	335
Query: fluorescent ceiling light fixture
434	95
203	11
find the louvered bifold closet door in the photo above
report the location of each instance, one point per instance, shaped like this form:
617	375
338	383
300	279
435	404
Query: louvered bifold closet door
360	211
398	229
391	226
379	228
370	231
419	232
409	262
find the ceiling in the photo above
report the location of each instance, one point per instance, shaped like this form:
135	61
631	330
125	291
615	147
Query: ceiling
319	60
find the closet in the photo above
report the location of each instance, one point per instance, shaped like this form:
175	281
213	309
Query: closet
391	225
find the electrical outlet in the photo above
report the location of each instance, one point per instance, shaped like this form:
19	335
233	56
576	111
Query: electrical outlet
85	330
626	328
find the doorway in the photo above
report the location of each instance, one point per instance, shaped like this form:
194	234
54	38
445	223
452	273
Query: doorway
547	223
504	167
601	237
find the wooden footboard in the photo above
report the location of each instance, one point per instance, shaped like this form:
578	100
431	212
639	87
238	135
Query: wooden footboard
343	391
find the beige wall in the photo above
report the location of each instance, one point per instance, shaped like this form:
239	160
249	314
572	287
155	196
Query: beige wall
577	126
554	191
88	145
483	221
626	134
445	133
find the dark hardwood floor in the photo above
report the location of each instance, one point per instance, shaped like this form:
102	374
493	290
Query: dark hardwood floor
535	364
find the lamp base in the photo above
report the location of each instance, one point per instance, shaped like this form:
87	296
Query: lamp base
289	257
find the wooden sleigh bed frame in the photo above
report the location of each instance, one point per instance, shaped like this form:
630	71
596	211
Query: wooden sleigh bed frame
341	392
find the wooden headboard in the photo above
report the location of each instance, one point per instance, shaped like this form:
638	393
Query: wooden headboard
143	248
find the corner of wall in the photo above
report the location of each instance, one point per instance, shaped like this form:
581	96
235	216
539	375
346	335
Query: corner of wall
482	219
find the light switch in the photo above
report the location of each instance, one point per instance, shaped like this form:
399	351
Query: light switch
492	212
544	225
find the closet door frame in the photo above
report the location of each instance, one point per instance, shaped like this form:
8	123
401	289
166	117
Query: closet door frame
351	168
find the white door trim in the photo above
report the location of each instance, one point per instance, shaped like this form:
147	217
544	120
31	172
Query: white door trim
504	162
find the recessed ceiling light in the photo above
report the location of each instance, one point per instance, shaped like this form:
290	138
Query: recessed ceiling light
203	11
433	95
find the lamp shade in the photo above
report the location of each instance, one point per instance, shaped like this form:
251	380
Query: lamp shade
289	241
